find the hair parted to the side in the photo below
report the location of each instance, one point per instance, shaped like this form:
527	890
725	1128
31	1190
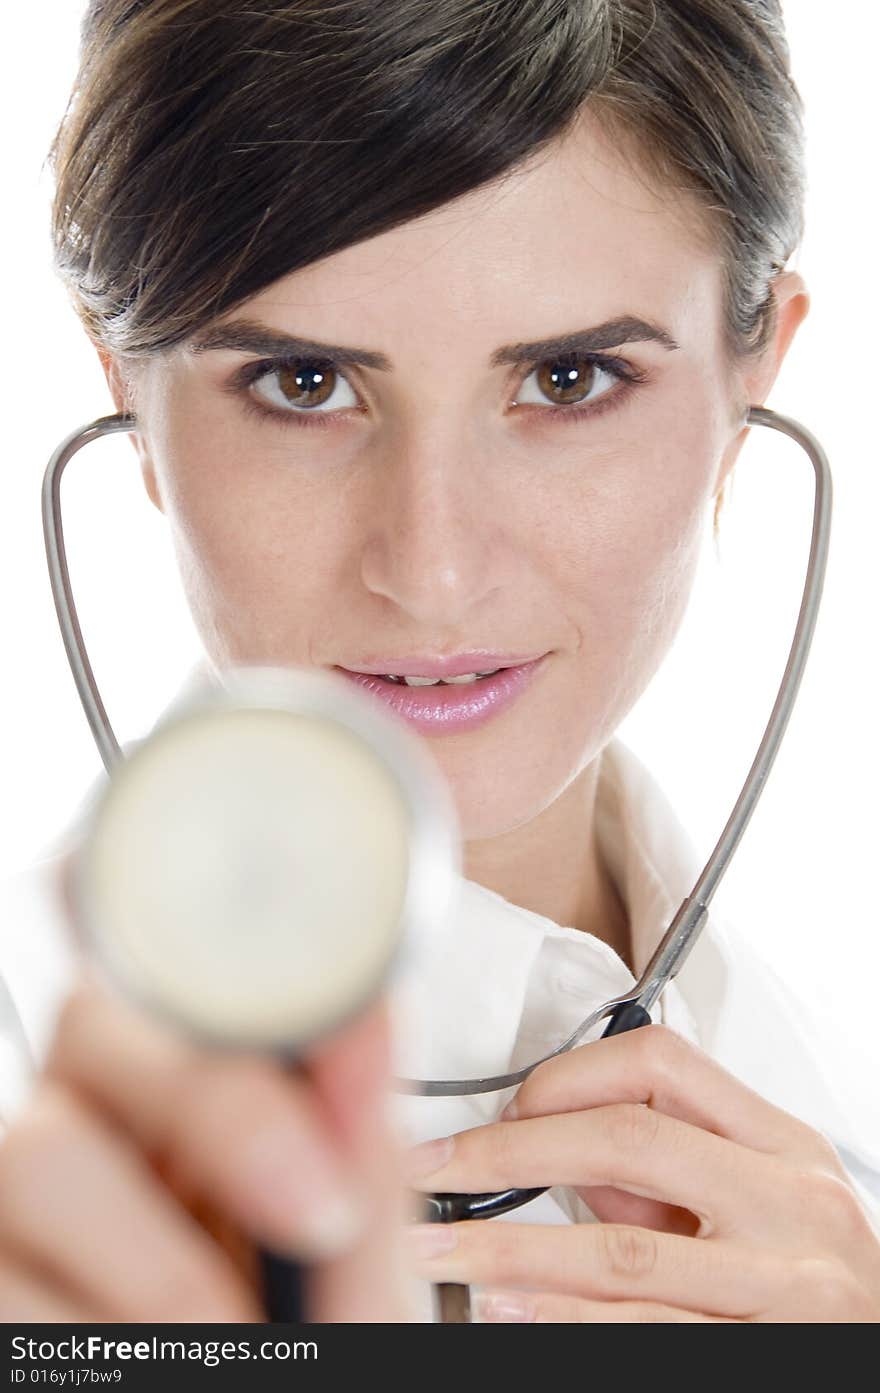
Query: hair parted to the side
212	146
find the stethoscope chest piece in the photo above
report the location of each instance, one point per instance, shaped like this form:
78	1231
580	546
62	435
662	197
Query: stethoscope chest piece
256	866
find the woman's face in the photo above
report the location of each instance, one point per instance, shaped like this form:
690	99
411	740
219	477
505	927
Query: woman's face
449	502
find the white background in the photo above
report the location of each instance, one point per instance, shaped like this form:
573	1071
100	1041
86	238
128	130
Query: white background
802	881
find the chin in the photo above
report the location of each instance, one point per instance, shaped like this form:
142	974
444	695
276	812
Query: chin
489	806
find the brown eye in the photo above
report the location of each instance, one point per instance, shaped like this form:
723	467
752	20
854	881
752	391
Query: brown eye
305	387
572	380
307	384
566	381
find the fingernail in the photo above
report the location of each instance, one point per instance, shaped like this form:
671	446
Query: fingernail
333	1224
430	1156
501	1306
430	1240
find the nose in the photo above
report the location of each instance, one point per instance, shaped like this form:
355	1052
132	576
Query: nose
435	544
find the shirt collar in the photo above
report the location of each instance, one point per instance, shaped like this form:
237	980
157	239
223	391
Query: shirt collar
649	855
502	986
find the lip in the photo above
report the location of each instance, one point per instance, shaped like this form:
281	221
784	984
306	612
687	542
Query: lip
448	710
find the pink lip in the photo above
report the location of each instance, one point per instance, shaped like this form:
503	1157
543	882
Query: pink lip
438	710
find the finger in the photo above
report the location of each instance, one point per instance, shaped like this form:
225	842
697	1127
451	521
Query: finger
604	1262
371	1281
732	1190
656	1066
352	1073
547	1307
612	1206
80	1202
27	1296
232	1112
236	1129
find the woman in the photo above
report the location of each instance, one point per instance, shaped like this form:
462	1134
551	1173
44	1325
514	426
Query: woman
440	322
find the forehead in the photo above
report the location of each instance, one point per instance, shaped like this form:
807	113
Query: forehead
576	231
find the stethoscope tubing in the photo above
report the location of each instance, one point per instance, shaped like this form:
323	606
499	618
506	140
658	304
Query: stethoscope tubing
626	1012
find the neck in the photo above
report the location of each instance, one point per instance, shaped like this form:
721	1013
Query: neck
553	866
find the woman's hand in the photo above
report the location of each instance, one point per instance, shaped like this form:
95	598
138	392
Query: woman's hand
714	1205
137	1181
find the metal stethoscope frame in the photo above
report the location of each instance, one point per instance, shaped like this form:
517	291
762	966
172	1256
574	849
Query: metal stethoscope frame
631	1009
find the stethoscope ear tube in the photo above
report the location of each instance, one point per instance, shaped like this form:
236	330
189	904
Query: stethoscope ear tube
59	577
626	1013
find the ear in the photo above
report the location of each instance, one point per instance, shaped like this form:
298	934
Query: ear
120	387
792	306
122	392
757	378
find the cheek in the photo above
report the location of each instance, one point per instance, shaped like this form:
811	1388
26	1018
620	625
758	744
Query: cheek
628	564
254	554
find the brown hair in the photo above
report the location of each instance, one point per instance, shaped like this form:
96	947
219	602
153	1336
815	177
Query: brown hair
210	148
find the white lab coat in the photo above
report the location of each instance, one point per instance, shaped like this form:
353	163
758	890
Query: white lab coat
507	985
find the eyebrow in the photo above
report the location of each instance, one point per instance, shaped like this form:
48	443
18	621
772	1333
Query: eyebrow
250	336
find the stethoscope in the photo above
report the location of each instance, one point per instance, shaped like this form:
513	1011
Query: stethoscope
420	838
